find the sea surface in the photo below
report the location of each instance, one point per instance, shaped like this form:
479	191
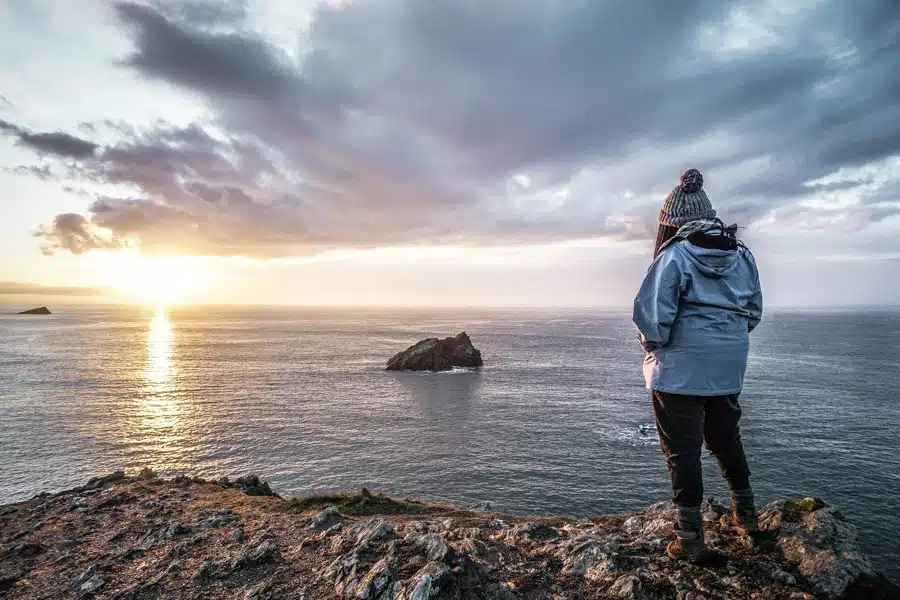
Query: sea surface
557	422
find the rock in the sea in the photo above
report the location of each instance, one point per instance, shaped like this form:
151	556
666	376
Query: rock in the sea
43	310
437	355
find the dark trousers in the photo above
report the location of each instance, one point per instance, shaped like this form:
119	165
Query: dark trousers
685	424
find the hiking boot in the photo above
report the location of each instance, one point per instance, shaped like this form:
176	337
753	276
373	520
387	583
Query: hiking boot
744	520
690	547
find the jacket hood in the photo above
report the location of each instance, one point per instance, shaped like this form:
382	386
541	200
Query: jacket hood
711	262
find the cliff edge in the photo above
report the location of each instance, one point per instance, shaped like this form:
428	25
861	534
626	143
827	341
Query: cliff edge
143	537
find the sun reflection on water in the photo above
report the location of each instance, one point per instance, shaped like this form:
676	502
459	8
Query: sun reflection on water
160	407
159	349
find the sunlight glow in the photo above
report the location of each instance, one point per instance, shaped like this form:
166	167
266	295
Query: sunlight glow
159	349
158	281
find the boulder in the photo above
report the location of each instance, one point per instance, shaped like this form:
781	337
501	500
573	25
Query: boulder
43	310
818	541
433	354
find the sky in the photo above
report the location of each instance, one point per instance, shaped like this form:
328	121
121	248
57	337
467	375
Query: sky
400	152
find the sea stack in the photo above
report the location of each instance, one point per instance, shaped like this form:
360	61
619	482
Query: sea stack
43	310
433	354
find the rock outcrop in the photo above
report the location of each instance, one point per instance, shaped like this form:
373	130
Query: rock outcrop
134	538
43	310
434	354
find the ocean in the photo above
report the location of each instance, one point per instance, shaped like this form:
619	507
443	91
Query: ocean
558	421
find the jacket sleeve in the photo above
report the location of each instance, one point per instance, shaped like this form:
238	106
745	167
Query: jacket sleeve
755	303
656	304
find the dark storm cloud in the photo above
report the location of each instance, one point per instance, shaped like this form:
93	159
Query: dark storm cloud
521	88
58	143
406	121
213	63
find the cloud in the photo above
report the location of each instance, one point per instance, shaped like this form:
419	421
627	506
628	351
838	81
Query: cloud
59	144
76	234
405	122
206	12
9	288
838	219
209	62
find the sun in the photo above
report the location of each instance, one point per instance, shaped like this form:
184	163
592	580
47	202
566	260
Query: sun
160	281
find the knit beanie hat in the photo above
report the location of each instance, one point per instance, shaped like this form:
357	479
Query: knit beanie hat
686	202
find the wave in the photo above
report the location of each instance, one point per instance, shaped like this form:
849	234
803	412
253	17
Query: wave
635	435
454	371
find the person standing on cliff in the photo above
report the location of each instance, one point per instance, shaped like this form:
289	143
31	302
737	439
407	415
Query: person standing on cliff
695	309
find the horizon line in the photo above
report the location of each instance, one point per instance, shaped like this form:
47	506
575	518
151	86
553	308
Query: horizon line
382	306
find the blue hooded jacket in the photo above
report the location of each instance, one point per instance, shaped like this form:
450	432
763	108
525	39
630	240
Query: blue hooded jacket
695	311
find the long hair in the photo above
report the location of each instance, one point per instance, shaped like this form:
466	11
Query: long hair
663	235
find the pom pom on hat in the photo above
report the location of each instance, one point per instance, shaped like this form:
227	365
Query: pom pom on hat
691	181
686	202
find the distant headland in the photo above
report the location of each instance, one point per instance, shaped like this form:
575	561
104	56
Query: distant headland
43	310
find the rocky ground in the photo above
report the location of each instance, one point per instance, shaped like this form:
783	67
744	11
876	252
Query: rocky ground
142	537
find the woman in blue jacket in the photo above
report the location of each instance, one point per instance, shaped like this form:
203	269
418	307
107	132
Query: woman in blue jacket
695	310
